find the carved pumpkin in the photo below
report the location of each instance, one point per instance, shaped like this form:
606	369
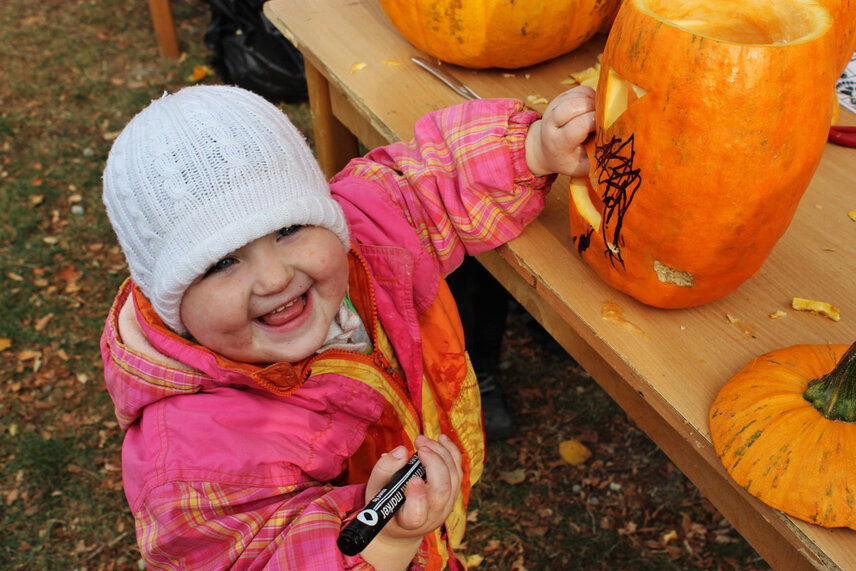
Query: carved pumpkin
711	120
498	33
785	429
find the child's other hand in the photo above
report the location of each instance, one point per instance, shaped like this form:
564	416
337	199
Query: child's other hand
428	503
554	144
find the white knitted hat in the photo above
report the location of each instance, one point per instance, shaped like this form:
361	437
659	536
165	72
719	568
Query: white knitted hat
201	173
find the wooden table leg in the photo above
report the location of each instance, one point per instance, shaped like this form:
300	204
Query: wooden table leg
335	145
164	28
762	526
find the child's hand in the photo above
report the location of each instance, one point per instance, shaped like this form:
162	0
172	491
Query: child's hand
428	503
554	144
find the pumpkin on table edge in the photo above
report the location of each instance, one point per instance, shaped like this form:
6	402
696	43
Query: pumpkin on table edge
506	34
712	118
784	428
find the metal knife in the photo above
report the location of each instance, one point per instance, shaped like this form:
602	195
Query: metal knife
446	78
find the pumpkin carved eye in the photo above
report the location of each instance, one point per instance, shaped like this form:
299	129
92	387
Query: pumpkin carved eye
619	95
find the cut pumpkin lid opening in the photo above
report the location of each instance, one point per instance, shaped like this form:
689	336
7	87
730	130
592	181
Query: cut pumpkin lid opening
754	22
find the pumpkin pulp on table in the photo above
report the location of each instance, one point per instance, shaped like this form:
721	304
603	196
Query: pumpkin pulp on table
784	428
711	120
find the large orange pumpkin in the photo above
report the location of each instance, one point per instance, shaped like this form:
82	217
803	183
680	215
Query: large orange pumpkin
498	33
711	120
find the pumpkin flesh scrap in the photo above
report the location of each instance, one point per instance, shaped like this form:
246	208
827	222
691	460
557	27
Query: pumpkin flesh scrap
778	446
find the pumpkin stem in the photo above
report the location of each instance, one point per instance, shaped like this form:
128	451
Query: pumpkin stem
834	394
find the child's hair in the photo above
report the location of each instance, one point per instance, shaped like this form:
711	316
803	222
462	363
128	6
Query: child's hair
201	173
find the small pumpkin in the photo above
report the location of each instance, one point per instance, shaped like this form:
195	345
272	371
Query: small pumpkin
498	33
711	120
784	427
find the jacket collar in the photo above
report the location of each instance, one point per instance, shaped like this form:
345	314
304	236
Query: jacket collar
278	378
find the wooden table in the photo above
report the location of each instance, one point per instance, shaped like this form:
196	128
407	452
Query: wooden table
164	28
663	367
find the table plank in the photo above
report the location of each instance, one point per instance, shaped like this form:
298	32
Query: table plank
663	367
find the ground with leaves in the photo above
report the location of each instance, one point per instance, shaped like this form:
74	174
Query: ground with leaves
75	71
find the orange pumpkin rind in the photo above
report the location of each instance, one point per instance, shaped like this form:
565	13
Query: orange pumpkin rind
780	448
492	33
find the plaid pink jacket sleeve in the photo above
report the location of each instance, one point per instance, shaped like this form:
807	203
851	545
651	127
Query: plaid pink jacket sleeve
462	181
204	525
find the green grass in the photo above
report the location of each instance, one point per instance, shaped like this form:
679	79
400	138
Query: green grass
75	71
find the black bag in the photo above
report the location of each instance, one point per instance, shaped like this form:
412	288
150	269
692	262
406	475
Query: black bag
250	52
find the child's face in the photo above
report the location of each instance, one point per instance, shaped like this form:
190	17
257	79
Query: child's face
272	300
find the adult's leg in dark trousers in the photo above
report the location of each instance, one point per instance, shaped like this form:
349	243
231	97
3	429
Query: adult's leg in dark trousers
483	305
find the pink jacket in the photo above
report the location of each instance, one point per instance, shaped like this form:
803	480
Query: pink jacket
231	465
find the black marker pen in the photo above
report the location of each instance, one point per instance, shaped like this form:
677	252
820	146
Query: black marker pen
379	510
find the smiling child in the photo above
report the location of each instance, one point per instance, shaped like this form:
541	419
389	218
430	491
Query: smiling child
284	343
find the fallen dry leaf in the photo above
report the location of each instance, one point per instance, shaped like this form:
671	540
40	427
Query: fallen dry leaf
852	215
200	72
5	343
28	354
574	452
68	274
513	477
42	322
